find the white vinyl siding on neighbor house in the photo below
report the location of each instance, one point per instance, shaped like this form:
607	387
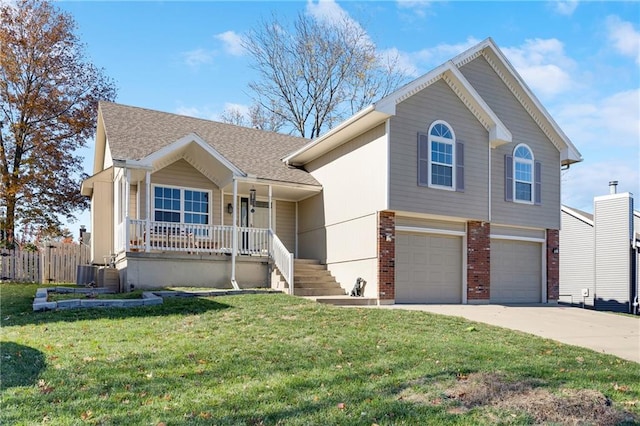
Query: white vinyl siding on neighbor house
413	116
613	221
576	260
525	131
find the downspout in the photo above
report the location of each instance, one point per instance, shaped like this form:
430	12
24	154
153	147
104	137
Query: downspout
489	179
234	250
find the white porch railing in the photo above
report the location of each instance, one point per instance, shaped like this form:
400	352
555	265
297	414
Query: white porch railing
193	238
283	260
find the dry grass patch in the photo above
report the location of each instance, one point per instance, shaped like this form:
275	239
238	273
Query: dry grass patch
492	393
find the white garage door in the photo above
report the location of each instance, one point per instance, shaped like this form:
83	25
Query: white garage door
516	271
428	268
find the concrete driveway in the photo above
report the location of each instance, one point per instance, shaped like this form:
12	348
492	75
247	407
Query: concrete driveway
601	331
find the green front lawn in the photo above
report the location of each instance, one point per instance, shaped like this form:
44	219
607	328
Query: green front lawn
276	359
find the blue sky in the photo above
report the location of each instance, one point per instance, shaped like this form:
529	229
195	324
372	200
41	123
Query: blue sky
581	59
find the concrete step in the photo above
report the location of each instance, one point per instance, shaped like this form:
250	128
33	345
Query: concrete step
317	284
345	300
306	262
309	267
318	291
314	278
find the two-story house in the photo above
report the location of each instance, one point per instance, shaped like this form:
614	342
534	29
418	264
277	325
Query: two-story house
445	191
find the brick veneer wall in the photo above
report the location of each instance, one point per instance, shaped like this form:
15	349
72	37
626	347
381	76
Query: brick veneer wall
553	266
386	255
478	261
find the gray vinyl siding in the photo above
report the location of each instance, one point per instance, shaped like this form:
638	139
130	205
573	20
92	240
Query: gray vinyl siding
524	130
576	261
286	224
182	174
612	254
415	114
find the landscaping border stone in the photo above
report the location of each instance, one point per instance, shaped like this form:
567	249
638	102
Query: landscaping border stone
149	298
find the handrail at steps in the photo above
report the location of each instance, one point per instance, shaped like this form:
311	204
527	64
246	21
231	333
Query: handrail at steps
283	260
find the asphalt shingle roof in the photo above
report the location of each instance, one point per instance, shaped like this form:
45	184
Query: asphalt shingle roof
134	133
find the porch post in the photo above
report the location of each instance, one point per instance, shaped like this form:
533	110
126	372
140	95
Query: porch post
126	206
147	208
270	208
234	251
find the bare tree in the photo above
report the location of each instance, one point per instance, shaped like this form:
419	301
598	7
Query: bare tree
49	95
318	72
257	117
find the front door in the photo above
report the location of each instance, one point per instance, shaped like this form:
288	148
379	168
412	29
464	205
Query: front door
244	222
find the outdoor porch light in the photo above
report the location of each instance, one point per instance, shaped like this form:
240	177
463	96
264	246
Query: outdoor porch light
230	208
555	250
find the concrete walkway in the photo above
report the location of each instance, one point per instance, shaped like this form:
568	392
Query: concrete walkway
601	331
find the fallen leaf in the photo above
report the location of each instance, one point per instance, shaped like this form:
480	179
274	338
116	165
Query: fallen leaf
86	415
341	406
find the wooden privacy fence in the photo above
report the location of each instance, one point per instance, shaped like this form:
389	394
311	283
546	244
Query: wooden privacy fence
52	263
19	266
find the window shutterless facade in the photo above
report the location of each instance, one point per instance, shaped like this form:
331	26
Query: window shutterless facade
181	205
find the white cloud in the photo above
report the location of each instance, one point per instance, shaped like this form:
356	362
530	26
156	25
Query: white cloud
613	121
197	112
241	108
625	38
565	7
422	61
232	42
197	57
544	66
404	61
327	11
416	7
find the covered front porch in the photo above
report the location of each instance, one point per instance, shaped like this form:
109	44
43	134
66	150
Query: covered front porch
186	208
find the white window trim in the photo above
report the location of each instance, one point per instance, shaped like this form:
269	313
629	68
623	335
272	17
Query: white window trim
182	200
452	142
532	164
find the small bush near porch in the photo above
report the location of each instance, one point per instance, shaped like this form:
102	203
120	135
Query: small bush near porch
275	359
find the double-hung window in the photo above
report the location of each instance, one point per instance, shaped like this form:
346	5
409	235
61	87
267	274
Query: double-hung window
181	205
523	176
523	173
440	158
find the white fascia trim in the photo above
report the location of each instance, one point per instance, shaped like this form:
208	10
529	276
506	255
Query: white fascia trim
420	230
573	213
186	140
259	181
517	238
330	133
613	196
570	153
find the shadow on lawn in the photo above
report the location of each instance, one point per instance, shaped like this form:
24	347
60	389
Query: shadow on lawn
19	365
20	313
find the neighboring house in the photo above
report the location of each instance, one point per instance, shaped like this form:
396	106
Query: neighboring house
445	191
600	256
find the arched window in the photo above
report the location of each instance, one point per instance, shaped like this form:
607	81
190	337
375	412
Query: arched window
440	158
523	176
442	145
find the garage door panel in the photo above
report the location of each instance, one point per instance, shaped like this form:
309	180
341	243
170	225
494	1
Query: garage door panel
516	271
428	268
